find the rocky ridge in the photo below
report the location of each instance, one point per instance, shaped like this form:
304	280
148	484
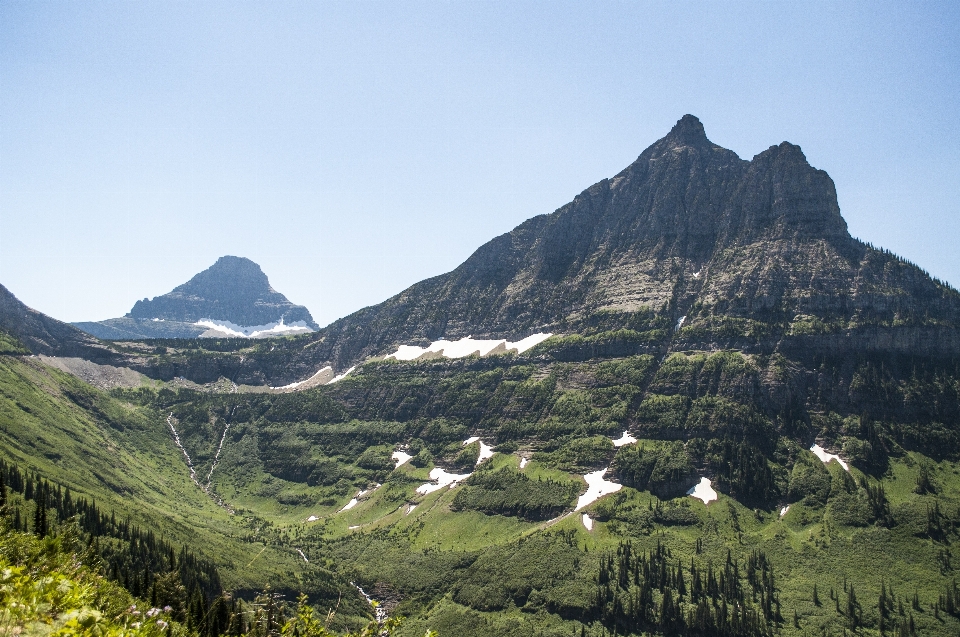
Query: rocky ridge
747	253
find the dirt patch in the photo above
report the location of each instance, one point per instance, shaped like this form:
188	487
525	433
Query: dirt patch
100	376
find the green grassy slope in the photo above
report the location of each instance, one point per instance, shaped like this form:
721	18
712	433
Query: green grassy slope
124	458
457	565
485	557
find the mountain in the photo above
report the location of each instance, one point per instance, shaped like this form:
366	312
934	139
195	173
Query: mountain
745	251
745	422
688	247
233	297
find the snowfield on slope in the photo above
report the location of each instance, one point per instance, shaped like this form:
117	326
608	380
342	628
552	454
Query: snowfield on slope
597	487
825	457
441	478
319	377
401	457
467	346
703	491
217	328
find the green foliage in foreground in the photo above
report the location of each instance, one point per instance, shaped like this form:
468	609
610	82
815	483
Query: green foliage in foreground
54	586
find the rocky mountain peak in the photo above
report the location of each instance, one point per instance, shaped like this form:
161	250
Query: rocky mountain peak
687	230
233	289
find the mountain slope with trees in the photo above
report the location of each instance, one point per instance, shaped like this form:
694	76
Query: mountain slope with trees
712	319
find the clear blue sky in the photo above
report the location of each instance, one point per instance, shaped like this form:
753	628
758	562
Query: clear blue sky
354	148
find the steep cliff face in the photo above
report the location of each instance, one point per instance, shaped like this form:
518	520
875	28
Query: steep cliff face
233	289
688	230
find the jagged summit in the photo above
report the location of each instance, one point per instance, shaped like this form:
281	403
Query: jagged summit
688	247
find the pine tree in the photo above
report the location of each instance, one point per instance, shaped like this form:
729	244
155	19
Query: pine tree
37	528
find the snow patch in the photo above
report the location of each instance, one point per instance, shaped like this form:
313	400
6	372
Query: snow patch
356	499
680	323
467	346
486	451
825	457
410	508
440	480
303	556
401	457
625	439
527	343
354	528
226	328
597	487
523	462
783	511
312	518
326	370
340	377
703	491
587	521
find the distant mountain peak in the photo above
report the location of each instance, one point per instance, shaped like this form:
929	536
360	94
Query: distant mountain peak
230	275
234	291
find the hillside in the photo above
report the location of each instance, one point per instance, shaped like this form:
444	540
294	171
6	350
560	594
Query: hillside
745	422
38	333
